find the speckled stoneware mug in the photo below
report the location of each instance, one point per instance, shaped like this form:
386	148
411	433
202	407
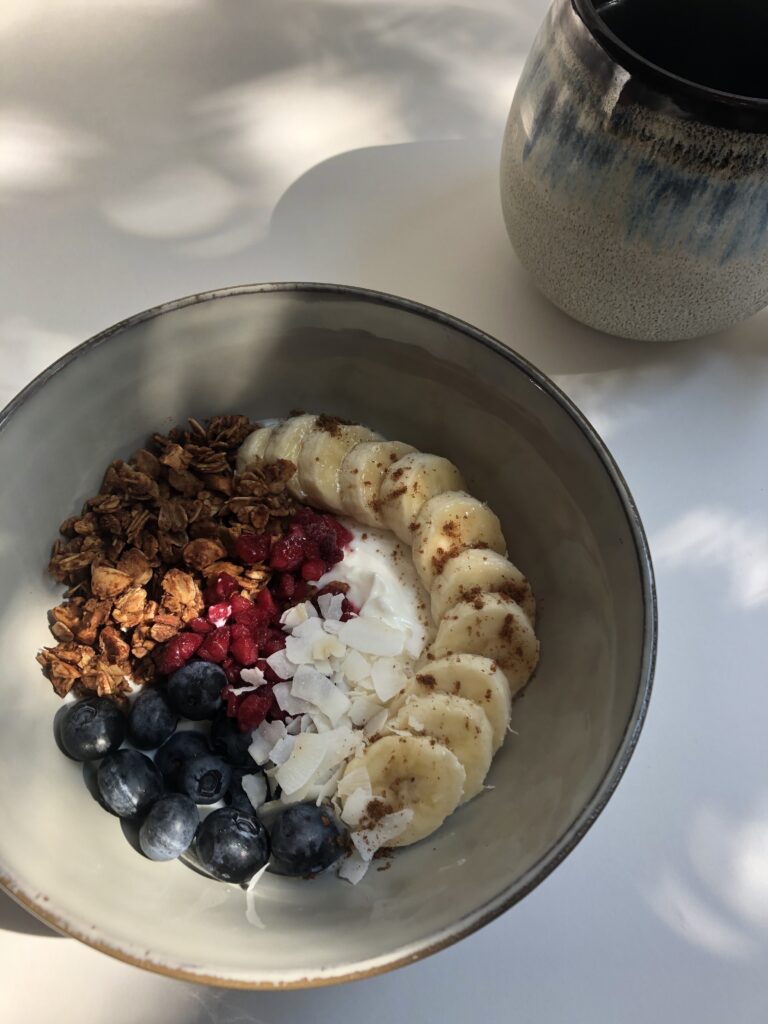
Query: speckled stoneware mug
634	171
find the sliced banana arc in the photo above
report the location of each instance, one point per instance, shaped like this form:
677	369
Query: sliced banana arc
495	626
476	570
458	724
360	478
413	772
285	443
474	678
322	453
408	484
252	448
448	524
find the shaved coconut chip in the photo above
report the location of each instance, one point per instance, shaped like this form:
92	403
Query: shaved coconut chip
324	668
263	740
415	723
298	649
370	636
330	605
353	868
332	626
327	646
319	721
287	702
307	755
362	710
312	686
355	778
255	788
281	751
342	744
252	675
376	724
355	806
307	725
298	614
251	915
293	728
281	665
309	629
388	677
244	689
368	840
329	788
355	667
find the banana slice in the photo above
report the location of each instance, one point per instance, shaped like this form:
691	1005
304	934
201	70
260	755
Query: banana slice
448	524
417	773
322	453
285	443
408	484
474	571
361	474
457	723
473	677
253	447
495	626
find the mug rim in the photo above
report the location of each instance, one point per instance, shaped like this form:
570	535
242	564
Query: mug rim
656	75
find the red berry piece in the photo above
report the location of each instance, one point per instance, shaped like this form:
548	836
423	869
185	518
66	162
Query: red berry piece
313	569
222	588
253	709
177	652
219	613
288	553
253	547
285	587
343	535
275	642
232	672
200	625
265	602
215	645
245	651
239	603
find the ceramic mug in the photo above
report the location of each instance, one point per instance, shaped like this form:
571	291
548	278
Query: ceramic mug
634	171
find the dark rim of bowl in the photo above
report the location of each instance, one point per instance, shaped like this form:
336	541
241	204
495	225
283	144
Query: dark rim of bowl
661	78
578	828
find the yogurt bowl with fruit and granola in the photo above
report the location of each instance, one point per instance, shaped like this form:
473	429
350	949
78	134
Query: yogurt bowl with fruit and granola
296	655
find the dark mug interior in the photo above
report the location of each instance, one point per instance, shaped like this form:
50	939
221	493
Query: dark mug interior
712	46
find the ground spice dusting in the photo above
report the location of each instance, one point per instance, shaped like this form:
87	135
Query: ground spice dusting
331	424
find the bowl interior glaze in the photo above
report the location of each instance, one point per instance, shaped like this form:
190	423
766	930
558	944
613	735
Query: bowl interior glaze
411	374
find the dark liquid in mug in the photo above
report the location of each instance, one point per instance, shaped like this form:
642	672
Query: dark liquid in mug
722	44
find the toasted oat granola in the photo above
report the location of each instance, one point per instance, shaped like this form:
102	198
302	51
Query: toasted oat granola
138	556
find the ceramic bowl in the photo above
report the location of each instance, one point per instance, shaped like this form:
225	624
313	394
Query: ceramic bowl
411	373
636	196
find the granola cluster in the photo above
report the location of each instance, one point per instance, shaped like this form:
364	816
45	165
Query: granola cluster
137	558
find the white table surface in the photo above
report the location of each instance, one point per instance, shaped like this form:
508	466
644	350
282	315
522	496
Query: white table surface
153	148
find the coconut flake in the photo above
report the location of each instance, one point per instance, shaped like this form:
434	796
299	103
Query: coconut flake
370	636
299	613
306	758
362	710
332	626
254	676
368	840
255	788
263	740
327	646
312	686
281	665
355	667
388	677
299	649
287	702
353	868
376	724
331	605
354	807
281	751
251	915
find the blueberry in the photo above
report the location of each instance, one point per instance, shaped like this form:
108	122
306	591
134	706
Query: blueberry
92	728
306	839
236	795
151	720
205	779
232	845
227	740
129	783
195	689
175	752
169	828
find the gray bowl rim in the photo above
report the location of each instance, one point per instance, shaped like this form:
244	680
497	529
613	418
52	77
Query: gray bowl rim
579	827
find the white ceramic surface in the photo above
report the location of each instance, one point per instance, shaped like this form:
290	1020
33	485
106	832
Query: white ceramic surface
411	374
